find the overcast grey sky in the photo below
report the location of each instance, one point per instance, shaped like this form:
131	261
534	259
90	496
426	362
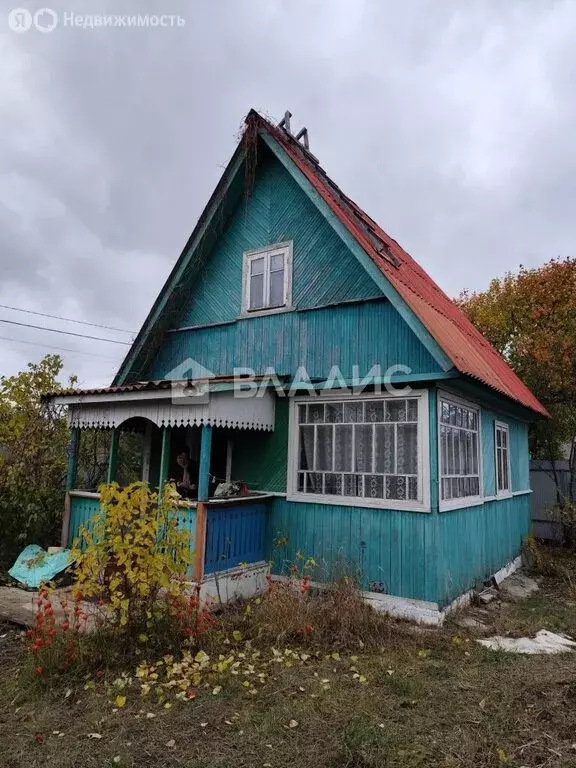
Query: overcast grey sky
451	122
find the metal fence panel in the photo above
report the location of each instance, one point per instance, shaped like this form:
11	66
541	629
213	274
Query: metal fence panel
545	521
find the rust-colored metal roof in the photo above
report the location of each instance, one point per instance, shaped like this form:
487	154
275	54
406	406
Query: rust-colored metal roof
466	347
141	386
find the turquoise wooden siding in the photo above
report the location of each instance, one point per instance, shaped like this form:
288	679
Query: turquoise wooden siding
347	335
432	557
324	272
82	511
475	542
261	458
391	547
519	455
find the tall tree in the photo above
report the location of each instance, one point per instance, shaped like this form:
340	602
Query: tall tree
33	446
530	317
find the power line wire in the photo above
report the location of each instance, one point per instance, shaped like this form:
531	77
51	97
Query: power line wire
60	349
66	333
66	319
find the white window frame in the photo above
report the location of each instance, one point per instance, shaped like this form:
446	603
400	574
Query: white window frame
503	427
466	501
420	505
249	256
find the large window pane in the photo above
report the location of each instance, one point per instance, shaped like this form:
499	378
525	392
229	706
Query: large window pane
256	291
407	448
323	447
343	446
385	449
363	444
276	289
306	447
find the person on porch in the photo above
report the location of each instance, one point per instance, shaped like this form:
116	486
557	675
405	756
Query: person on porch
186	475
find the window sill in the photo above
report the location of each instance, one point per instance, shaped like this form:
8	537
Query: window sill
354	501
472	501
245	315
478	501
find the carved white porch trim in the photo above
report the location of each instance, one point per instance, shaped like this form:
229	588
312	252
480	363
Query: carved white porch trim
221	410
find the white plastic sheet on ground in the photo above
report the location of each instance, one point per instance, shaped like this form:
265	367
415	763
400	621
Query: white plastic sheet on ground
543	642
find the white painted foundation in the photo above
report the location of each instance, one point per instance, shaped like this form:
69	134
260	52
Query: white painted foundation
424	612
243	583
235	583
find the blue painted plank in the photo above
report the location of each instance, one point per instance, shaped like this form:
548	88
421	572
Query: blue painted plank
234	534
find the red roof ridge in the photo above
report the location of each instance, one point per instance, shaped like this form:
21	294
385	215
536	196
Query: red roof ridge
470	351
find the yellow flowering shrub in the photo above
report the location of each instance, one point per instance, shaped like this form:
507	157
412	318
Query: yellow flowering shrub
130	558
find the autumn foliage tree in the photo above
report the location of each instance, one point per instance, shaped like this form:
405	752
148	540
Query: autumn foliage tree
530	317
33	446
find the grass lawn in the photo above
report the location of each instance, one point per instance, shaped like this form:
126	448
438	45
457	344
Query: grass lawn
430	698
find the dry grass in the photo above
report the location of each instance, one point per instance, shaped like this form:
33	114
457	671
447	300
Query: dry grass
431	699
334	618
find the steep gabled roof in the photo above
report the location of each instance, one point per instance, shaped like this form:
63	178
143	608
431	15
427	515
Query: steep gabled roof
467	348
441	321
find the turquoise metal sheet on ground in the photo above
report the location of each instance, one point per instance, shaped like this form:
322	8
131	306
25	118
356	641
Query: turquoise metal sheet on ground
34	565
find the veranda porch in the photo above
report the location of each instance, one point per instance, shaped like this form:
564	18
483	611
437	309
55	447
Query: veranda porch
227	534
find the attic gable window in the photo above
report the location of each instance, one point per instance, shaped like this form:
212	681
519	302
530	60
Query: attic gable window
267	279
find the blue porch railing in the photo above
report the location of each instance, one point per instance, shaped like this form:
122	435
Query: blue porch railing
234	534
85	506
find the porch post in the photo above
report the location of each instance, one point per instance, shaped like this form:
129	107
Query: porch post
164	458
201	512
72	467
147	453
204	469
113	457
71	472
